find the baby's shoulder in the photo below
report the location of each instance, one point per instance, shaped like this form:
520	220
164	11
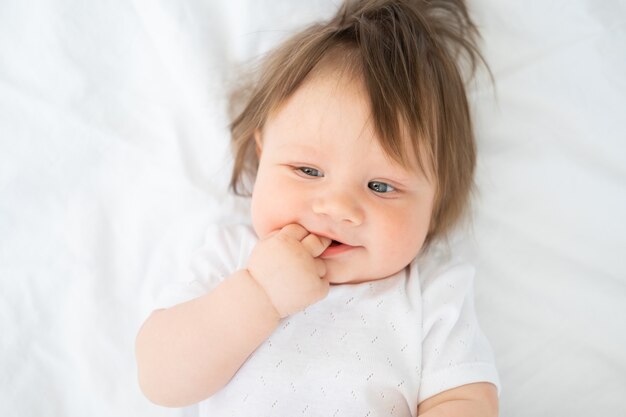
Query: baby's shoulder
229	233
226	244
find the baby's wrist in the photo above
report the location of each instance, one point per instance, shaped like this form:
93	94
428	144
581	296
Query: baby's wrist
263	293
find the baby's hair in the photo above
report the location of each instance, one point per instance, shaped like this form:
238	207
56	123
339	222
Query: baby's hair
411	56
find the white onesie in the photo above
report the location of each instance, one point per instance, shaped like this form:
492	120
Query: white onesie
370	349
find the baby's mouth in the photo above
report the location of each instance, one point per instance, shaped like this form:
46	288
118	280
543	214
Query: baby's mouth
336	248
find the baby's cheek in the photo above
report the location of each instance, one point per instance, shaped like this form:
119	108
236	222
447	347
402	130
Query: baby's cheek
259	210
257	224
403	240
270	215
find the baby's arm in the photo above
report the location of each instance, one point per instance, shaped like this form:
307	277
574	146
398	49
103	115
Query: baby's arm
188	352
471	400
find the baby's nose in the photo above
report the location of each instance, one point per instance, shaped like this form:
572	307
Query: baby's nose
340	206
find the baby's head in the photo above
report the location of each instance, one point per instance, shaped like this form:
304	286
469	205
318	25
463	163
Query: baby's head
362	123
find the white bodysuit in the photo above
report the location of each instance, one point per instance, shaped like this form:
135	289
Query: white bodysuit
371	349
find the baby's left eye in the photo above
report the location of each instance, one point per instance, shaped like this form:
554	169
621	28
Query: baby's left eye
310	172
380	187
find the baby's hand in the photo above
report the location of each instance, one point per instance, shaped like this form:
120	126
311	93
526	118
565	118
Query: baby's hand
287	266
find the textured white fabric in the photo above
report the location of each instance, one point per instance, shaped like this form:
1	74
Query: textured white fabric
371	349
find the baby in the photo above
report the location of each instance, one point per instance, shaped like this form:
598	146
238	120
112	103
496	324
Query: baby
338	299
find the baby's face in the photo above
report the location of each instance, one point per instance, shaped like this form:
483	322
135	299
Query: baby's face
320	165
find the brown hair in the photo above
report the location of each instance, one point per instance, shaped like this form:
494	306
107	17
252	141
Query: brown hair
410	55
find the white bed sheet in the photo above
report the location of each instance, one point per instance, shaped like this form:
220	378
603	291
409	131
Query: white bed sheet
114	156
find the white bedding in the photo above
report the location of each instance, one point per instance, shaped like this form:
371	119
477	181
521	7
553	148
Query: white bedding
114	157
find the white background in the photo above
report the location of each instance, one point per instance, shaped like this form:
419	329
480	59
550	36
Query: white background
114	157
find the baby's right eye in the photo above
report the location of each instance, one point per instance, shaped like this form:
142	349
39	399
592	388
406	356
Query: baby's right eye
311	172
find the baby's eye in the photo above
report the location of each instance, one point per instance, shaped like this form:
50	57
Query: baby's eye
311	172
380	187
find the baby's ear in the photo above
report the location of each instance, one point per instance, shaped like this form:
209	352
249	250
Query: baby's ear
258	141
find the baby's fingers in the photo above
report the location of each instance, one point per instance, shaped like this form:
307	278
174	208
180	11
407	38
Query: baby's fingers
315	245
294	231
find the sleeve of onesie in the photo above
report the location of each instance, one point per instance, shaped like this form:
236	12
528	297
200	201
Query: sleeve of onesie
225	250
455	351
